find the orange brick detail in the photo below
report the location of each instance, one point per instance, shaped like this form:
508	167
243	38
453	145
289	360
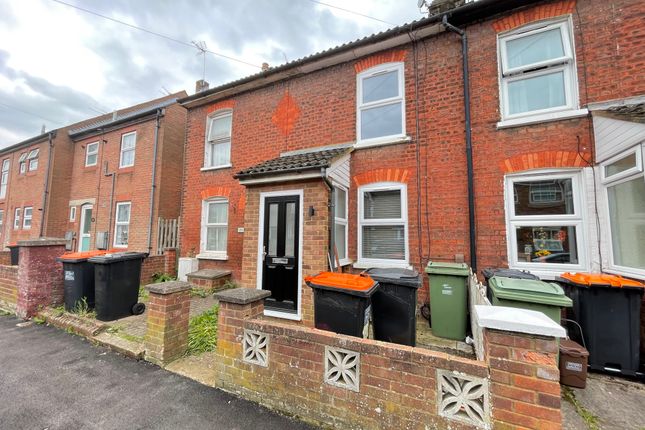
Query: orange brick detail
538	160
384	57
215	192
381	175
226	104
286	114
544	11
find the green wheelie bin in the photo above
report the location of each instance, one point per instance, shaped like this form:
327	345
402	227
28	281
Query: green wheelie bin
448	299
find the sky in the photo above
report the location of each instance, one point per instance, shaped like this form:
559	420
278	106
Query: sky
60	65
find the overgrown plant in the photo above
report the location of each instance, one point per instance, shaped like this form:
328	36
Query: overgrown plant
162	277
199	292
202	332
590	419
82	309
143	294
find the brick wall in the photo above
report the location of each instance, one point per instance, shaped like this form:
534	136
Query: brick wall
164	263
9	285
5	258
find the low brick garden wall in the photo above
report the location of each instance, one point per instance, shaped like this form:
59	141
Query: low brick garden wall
5	258
164	263
9	286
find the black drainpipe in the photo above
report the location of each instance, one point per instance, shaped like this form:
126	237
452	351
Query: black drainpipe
46	191
153	187
469	143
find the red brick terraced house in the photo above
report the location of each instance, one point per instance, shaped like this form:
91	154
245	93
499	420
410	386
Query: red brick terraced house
359	156
81	178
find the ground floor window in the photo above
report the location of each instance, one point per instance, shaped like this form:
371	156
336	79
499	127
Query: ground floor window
214	229
122	224
624	185
544	214
382	225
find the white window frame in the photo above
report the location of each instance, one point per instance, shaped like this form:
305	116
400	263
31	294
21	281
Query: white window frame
360	106
16	218
210	145
22	163
91	149
380	262
204	253
344	223
32	159
118	223
133	149
72	213
27	218
4	178
577	220
566	64
1	217
617	179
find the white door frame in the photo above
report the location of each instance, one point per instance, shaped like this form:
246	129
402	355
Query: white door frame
80	228
260	258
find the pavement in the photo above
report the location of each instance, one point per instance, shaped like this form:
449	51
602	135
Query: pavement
50	379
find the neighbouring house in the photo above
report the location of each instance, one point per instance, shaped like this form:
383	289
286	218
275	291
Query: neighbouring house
358	156
97	176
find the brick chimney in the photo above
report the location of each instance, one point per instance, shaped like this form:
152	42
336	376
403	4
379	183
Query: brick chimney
201	85
440	6
265	67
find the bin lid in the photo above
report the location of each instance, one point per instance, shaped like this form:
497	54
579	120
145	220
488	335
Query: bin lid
573	349
507	273
12	245
397	276
77	257
117	257
529	290
599	280
356	285
446	268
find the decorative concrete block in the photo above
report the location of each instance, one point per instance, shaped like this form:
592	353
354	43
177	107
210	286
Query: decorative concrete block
462	397
342	368
255	348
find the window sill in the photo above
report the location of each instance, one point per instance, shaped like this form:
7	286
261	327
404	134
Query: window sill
381	265
345	262
393	140
211	256
128	169
208	169
633	273
545	117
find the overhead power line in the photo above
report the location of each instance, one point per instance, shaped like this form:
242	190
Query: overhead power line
350	11
154	33
28	113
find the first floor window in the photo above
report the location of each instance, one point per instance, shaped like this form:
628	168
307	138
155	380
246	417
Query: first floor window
16	219
545	221
122	226
91	154
1	217
4	179
128	145
32	158
22	163
340	223
218	140
382	229
214	226
624	182
26	220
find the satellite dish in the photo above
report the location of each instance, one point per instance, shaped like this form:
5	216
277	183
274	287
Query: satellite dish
421	3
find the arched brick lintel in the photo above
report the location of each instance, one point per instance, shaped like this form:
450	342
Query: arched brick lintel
380	58
545	159
544	11
209	192
381	175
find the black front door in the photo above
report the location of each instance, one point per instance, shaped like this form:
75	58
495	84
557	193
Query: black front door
280	252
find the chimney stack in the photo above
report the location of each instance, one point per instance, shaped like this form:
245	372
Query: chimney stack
43	129
201	85
114	116
265	67
441	6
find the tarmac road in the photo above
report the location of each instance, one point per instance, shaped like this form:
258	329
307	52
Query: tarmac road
53	380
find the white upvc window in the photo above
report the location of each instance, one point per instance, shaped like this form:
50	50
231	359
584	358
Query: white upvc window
538	75
22	163
92	154
545	221
4	179
122	224
623	180
214	229
380	104
72	213
16	219
383	225
340	224
1	218
128	145
26	218
32	159
217	152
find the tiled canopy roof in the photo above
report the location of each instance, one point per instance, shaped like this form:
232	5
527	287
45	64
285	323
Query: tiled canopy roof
294	162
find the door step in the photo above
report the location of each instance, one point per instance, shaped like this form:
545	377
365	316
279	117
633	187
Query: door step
209	279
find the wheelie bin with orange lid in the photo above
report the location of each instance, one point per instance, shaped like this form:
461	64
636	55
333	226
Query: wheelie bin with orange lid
342	302
608	309
78	278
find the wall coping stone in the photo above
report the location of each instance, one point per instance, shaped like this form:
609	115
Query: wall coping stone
209	274
517	320
170	287
242	296
43	241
